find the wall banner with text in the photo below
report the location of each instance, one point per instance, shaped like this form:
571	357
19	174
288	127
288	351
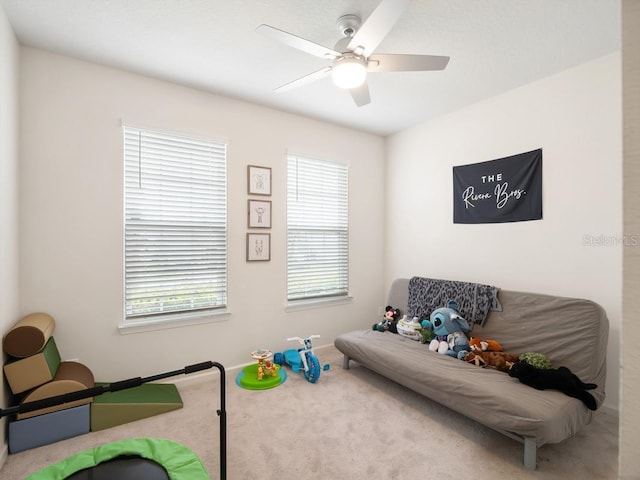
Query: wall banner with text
505	190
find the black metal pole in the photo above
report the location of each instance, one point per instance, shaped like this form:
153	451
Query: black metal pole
222	413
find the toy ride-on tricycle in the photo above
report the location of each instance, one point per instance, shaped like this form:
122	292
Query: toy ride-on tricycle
302	358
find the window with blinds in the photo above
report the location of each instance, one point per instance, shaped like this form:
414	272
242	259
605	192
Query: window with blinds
317	229
175	225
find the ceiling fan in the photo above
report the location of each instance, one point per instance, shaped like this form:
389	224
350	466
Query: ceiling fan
353	55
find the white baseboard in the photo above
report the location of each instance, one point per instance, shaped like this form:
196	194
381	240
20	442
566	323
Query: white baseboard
205	374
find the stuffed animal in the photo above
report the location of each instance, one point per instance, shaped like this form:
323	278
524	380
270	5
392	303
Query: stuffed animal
390	321
484	345
555	379
426	332
536	359
499	360
449	329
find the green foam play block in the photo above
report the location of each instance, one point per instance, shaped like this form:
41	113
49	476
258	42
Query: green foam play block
116	408
27	373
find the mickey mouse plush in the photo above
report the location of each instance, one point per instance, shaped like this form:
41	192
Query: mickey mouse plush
390	321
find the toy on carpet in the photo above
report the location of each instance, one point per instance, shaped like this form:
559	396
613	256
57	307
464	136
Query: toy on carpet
132	458
390	320
302	358
480	345
36	374
499	360
266	366
449	329
261	375
538	360
561	379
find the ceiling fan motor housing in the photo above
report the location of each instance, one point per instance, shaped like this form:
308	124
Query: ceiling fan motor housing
348	25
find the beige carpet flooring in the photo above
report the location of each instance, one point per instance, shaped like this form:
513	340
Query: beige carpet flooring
352	424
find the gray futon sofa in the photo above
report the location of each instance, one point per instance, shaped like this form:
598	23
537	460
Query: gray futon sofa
570	332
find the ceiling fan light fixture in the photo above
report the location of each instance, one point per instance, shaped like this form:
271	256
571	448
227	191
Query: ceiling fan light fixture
349	71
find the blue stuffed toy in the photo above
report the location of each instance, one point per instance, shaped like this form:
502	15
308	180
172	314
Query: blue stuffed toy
449	329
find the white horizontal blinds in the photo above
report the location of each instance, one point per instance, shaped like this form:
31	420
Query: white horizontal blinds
175	224
317	229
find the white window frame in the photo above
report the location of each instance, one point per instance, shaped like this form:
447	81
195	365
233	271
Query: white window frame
175	228
317	231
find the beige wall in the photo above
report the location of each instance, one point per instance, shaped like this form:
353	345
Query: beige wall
575	117
8	193
71	219
630	358
71	223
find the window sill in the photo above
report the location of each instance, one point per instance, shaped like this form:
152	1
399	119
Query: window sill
297	305
174	321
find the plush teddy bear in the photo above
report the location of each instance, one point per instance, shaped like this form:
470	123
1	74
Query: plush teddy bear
449	329
484	345
390	321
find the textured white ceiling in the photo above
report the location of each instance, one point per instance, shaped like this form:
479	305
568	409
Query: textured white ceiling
494	45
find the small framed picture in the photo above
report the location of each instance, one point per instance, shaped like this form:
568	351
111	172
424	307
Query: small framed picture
259	179
259	214
258	247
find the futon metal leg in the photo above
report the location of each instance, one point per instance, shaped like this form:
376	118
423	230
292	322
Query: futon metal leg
530	453
345	363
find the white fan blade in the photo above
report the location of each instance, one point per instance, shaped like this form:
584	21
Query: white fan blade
405	63
297	42
361	94
377	26
312	77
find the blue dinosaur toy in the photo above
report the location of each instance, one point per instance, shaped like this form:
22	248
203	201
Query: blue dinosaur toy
449	329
